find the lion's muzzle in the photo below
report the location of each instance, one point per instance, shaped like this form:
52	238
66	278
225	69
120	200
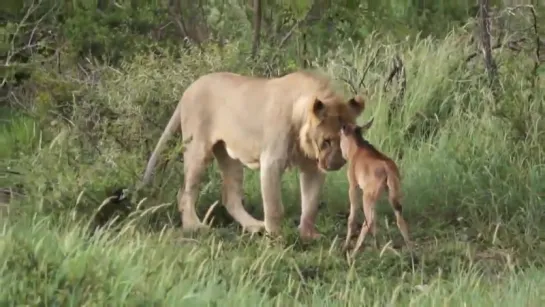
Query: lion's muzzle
333	162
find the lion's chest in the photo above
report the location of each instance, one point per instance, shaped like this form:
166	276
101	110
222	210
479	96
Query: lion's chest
249	160
249	154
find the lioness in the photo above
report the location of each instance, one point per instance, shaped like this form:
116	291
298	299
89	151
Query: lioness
266	124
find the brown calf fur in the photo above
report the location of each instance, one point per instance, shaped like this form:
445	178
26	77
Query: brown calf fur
373	172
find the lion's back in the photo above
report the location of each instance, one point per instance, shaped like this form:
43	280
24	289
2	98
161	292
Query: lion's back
226	106
233	107
220	88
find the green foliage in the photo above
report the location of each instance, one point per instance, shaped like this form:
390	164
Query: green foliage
17	134
117	34
99	93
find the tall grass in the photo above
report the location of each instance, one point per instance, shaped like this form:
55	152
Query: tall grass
473	180
44	263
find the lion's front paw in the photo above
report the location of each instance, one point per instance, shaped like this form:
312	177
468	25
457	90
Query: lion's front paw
309	233
194	227
355	252
255	227
354	229
272	226
345	247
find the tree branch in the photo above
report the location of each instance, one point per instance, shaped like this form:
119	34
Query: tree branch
368	61
512	45
13	50
398	71
484	22
286	37
257	27
178	20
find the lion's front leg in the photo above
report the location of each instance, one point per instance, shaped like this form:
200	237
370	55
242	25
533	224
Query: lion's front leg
273	209
310	181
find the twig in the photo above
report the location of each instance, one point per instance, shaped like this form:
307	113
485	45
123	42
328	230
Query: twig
398	71
257	27
12	51
286	37
512	45
13	172
397	68
177	18
537	61
365	70
10	191
352	87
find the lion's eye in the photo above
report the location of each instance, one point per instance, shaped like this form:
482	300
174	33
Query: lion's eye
326	143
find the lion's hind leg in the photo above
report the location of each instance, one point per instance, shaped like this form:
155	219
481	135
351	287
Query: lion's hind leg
196	159
232	173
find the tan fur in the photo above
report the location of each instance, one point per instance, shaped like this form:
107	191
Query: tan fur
266	124
373	172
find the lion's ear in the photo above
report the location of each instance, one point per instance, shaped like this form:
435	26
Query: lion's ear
319	109
357	105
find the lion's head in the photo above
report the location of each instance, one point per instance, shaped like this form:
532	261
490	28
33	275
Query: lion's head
319	135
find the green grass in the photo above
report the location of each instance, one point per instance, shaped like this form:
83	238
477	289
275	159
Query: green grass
17	133
44	263
473	180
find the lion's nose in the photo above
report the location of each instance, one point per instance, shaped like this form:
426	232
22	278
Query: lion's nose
336	164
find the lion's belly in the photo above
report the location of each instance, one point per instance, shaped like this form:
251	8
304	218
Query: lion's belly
252	163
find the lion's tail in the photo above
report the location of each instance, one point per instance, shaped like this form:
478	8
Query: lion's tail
172	126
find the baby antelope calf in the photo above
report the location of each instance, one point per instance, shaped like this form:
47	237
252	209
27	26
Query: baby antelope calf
372	172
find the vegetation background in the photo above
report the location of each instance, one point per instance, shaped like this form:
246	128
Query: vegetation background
88	86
